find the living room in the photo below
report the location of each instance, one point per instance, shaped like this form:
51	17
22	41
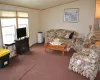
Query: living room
43	16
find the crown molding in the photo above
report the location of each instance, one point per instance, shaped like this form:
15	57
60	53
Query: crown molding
39	9
60	4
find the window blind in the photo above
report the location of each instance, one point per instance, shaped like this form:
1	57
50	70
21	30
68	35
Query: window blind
7	13
22	14
13	14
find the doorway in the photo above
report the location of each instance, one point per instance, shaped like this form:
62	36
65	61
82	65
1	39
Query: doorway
97	17
97	20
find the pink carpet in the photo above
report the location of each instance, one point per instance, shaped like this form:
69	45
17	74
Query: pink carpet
38	65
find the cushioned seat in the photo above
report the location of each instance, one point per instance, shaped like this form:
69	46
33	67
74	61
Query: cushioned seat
61	35
86	61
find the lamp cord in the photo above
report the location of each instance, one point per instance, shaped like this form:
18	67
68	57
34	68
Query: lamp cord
26	72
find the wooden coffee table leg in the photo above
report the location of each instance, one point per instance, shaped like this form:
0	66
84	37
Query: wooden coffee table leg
62	52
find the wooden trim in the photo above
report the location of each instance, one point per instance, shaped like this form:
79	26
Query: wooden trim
28	28
36	8
14	17
8	26
7	17
60	4
18	6
94	17
28	31
39	9
97	1
1	33
16	20
22	17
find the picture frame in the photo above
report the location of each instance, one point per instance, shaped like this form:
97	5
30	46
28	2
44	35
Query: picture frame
71	15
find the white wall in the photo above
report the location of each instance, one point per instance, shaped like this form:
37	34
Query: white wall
52	18
33	21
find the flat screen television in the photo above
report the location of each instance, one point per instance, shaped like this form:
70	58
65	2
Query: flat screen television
21	32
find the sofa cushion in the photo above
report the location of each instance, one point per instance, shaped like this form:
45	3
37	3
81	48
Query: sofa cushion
65	40
49	39
51	33
60	33
71	35
67	35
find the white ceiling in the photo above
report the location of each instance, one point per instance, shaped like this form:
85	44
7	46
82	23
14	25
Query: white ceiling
38	4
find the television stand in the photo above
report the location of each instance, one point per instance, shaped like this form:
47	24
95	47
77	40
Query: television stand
22	45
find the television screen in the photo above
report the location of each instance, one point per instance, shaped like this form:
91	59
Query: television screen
21	32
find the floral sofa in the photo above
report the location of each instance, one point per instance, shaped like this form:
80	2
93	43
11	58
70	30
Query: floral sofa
52	34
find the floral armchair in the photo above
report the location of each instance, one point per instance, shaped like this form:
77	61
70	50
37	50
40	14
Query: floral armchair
86	60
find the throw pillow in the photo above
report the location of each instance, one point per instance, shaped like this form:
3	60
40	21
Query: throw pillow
67	35
71	35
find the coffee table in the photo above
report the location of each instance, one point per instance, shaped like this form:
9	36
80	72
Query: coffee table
61	47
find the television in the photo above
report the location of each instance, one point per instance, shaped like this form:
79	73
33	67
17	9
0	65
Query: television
21	32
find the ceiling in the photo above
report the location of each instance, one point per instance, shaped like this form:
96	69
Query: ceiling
37	4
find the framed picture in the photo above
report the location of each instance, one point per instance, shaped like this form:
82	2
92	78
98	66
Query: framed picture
71	15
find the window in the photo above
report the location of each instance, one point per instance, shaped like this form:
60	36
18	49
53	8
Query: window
9	22
23	22
8	30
